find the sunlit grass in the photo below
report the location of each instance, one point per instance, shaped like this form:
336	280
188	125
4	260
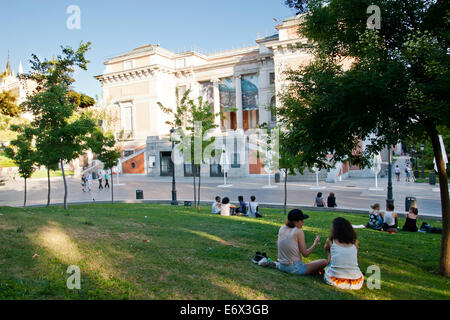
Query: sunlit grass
179	253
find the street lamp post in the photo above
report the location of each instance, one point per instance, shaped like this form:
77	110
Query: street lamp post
390	197
422	147
174	191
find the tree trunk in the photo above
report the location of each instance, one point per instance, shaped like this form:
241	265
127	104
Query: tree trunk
25	194
444	264
199	183
48	187
195	190
112	187
65	185
285	191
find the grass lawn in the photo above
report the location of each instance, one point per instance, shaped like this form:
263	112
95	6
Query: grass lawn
177	253
56	173
5	161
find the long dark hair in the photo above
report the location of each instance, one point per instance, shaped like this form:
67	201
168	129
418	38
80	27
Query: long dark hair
342	231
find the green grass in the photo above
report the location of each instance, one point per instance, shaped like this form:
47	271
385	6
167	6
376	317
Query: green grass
43	173
143	251
5	161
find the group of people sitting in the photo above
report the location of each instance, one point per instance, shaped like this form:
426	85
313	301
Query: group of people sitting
319	201
340	269
225	208
388	220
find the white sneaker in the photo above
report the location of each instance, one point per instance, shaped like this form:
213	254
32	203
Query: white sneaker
264	262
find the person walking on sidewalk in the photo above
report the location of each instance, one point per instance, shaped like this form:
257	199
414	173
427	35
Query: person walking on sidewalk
89	180
397	172
106	180
100	178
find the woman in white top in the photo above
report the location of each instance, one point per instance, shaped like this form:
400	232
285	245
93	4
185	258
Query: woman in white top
225	209
292	246
390	219
342	246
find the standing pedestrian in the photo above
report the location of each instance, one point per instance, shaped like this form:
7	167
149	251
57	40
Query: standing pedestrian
100	177
106	180
83	183
397	172
89	180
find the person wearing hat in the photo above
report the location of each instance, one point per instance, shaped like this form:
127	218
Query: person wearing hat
292	246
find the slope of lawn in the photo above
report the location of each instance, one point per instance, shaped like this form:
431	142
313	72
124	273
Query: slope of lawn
143	251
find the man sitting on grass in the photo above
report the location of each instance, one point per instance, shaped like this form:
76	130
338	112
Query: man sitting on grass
215	208
242	210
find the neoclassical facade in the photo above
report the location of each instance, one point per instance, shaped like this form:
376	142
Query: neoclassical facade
241	83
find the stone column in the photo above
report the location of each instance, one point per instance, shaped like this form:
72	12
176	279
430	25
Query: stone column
237	82
216	103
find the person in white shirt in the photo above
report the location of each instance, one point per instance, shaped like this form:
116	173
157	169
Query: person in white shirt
225	209
343	271
89	180
215	208
252	207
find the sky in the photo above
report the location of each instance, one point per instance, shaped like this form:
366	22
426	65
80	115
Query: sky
114	27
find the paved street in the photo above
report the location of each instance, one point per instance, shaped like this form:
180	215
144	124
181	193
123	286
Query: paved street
350	193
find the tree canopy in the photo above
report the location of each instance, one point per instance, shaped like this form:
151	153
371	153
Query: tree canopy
380	85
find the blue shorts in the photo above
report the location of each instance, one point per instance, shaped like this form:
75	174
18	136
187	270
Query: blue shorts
295	268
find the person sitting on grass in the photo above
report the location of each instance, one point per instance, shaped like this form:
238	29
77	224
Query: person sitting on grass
331	201
253	208
319	202
375	218
411	220
242	210
342	245
292	246
226	209
390	219
215	208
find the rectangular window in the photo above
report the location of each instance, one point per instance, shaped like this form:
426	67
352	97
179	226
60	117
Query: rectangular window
272	78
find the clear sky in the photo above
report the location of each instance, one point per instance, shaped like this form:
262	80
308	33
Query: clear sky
114	27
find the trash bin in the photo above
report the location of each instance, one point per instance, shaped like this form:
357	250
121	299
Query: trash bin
277	177
432	178
410	202
94	175
139	194
416	174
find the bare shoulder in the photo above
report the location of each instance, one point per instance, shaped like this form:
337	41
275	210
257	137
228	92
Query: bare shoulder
299	233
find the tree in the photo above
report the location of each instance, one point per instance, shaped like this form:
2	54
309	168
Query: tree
61	131
192	120
81	100
289	161
103	144
301	6
24	154
8	104
395	85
